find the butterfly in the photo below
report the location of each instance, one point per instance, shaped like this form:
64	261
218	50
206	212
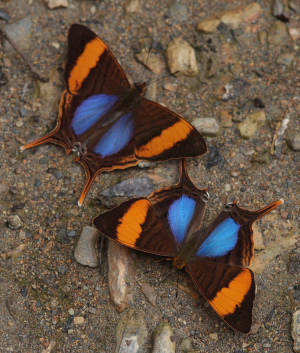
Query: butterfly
168	223
109	123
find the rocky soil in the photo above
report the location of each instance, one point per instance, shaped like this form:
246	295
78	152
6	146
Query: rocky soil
239	85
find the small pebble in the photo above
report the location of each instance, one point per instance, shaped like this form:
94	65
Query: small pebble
181	57
71	311
53	4
62	269
294	142
59	175
79	320
85	251
286	59
62	236
277	34
14	222
253	121
37	183
178	12
133	6
72	233
207	126
23	111
214	336
164	339
44	160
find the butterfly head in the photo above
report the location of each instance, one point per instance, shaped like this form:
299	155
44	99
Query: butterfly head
140	88
179	262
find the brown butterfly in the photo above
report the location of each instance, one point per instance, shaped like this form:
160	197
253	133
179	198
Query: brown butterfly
168	223
109	123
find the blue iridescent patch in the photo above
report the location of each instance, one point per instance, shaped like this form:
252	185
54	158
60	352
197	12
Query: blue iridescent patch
91	110
117	137
180	215
222	239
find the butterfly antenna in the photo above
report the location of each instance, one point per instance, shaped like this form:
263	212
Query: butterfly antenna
177	285
161	78
35	73
146	62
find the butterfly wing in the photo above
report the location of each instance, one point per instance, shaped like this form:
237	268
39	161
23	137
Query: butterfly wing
91	67
230	290
106	121
229	237
217	270
157	224
162	134
94	81
136	224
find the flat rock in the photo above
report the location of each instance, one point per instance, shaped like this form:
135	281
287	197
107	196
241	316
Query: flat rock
131	188
86	248
164	341
253	121
181	57
286	59
296	331
277	34
131	333
178	12
53	4
20	33
232	18
119	265
207	126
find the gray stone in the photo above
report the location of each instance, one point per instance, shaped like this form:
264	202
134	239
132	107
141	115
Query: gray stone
185	345
296	331
14	222
286	59
278	8
164	341
86	252
181	57
119	270
277	34
131	333
132	188
232	18
20	33
294	142
133	6
178	12
207	126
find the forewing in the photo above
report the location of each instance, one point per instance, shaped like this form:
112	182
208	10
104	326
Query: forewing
136	224
162	134
91	67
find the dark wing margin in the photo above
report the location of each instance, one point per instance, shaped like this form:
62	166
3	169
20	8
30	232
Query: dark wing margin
136	224
230	290
91	67
162	134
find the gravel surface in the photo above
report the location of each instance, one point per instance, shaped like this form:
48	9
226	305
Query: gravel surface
248	75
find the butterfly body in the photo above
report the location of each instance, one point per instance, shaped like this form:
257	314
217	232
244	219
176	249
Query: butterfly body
168	223
106	121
